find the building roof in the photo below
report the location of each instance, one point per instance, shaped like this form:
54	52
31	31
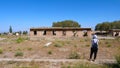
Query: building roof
60	28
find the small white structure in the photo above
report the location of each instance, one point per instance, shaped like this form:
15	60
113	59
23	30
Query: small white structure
17	34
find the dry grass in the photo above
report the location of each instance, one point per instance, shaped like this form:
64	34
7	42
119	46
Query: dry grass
60	48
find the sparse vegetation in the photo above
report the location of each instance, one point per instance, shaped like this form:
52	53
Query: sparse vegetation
1	50
63	48
87	45
50	52
74	55
19	54
58	45
19	40
117	38
29	49
109	45
18	49
106	42
84	65
118	60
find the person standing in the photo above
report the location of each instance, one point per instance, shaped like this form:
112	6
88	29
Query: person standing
94	47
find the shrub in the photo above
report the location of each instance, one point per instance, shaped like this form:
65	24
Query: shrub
19	40
1	50
74	55
109	45
19	54
49	52
118	59
87	45
58	45
29	49
81	40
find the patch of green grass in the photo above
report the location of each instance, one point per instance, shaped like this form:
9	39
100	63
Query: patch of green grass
87	45
50	52
57	44
81	40
118	59
74	55
19	54
66	66
29	49
109	45
84	65
19	40
86	40
1	50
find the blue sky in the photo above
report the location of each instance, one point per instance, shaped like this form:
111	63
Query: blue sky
24	14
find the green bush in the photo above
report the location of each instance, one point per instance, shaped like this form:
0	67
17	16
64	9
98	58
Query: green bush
58	45
74	55
118	59
19	40
1	50
49	52
109	45
29	49
19	54
87	45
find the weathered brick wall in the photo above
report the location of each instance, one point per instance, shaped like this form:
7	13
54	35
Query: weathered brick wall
31	33
39	33
80	33
89	33
59	34
69	33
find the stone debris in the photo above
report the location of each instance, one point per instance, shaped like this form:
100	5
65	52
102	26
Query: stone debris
47	44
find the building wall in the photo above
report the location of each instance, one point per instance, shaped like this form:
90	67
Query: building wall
31	33
60	34
114	33
69	33
80	33
89	33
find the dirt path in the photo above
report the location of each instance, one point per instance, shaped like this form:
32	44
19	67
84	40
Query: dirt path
98	61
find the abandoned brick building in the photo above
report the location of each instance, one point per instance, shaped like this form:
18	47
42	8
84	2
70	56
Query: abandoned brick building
115	32
60	32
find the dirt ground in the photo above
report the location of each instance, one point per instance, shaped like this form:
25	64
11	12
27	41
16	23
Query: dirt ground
22	47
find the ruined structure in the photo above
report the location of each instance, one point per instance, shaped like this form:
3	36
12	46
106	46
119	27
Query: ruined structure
60	32
115	32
